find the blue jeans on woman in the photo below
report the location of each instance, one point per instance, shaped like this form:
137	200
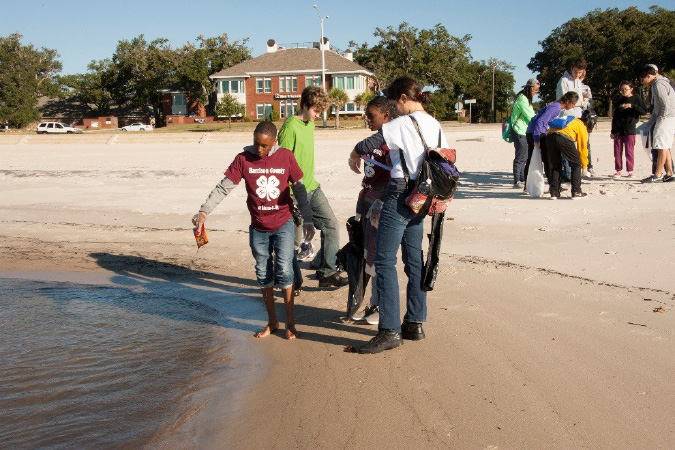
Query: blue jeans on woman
520	159
398	227
274	270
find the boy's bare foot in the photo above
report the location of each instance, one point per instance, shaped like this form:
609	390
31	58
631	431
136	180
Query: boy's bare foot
291	333
269	329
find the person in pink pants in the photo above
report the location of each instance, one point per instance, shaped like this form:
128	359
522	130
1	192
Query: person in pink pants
625	117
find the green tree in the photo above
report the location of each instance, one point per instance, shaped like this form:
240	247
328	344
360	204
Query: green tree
228	106
273	116
90	88
616	44
25	74
338	98
140	70
432	57
477	84
207	56
362	100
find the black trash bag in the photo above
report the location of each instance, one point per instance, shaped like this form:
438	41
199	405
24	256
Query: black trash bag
351	258
430	270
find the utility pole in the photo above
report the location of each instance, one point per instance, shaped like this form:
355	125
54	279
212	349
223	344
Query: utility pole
323	61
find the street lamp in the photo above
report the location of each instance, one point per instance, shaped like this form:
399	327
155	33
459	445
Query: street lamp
323	60
494	65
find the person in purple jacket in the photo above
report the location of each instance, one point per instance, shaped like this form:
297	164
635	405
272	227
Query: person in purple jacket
536	130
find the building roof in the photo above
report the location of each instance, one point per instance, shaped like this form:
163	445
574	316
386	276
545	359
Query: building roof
292	60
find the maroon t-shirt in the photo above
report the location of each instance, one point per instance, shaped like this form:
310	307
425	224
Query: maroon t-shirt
269	196
374	176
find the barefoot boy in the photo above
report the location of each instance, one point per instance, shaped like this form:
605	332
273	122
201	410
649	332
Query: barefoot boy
267	171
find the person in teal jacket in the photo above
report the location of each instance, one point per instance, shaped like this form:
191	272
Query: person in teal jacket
520	118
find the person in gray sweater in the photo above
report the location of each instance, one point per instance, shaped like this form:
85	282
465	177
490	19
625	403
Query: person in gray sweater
661	124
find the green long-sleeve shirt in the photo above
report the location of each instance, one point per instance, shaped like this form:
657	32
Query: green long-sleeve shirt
523	113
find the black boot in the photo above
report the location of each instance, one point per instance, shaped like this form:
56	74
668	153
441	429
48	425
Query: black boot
385	340
412	331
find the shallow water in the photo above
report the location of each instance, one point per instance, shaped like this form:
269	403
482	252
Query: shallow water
100	366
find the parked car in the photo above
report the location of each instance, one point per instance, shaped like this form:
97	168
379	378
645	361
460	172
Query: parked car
56	127
137	127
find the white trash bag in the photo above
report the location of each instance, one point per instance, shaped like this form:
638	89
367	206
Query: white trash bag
535	175
643	131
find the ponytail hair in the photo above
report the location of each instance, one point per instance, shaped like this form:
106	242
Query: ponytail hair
409	87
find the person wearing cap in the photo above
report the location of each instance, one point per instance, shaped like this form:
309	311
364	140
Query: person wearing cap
661	124
520	118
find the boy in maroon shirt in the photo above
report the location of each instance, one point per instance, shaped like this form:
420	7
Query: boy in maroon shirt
267	171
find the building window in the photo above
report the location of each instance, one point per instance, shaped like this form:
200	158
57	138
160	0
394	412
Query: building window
350	107
234	86
288	84
263	110
313	80
350	82
263	85
224	87
339	82
287	108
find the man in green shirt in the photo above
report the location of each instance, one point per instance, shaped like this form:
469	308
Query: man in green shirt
297	135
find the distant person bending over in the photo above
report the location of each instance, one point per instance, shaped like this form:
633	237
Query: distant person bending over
520	117
626	114
267	171
560	140
297	134
536	130
661	124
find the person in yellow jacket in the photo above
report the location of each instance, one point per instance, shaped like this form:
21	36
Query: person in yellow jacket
561	136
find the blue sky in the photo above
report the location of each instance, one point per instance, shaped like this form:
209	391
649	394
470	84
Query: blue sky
82	31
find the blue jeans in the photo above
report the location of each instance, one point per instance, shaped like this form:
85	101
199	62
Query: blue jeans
324	220
399	227
520	159
279	271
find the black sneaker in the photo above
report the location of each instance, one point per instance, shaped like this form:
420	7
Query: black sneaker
668	178
334	280
385	340
412	331
652	179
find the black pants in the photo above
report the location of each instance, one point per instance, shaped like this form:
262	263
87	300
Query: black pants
559	146
530	149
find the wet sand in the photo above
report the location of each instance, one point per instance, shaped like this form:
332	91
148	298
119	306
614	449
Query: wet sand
542	328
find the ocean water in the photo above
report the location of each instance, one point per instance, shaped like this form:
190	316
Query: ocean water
101	366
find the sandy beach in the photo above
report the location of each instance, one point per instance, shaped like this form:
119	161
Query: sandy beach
552	324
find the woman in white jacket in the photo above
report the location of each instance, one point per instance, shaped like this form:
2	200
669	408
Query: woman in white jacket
398	225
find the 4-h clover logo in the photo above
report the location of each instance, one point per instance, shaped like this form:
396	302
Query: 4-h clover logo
368	169
268	187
